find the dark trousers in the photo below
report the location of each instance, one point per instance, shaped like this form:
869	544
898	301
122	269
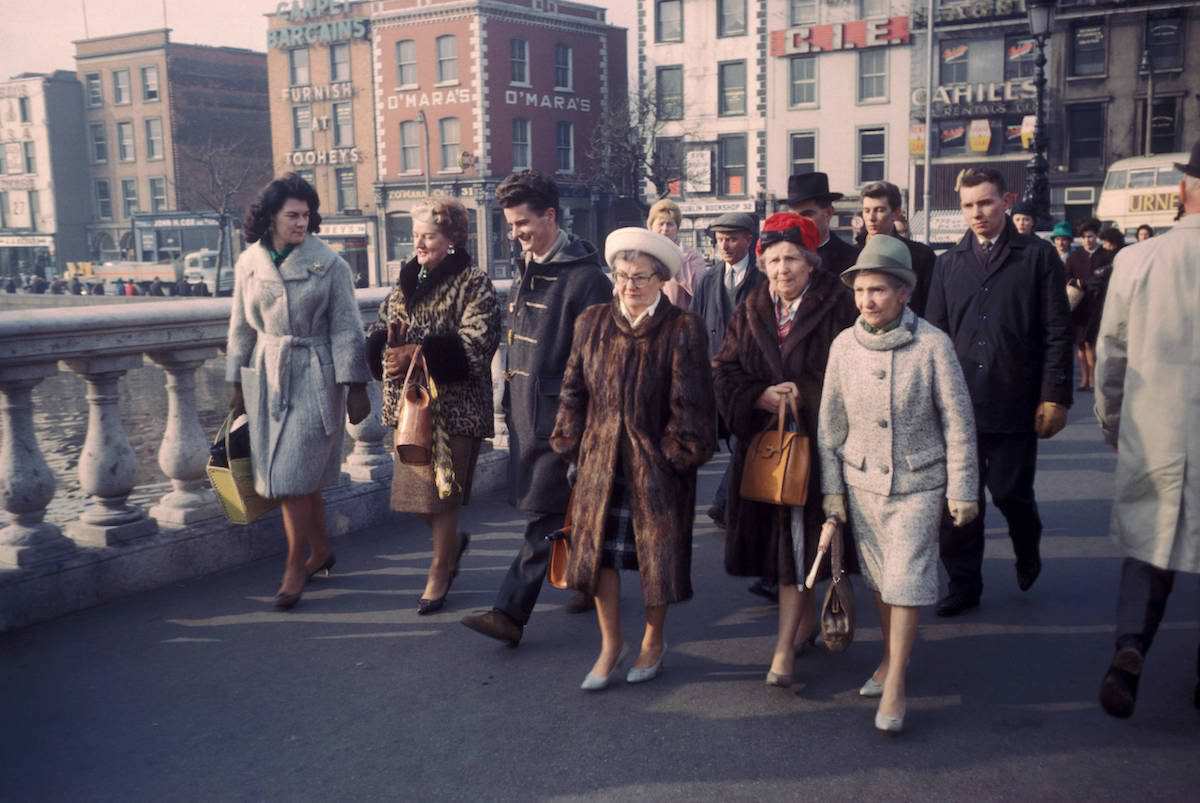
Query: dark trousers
1007	464
1141	602
722	494
521	586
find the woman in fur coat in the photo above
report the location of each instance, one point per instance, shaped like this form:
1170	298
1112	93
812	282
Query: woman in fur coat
295	347
638	418
447	307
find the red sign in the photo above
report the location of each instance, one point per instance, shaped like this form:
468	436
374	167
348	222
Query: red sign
854	35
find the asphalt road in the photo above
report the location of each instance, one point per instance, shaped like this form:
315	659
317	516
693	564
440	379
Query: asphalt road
200	691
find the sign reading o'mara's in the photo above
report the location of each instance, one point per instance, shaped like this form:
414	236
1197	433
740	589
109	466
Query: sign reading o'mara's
309	26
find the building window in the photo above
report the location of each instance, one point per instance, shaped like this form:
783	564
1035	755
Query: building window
35	208
99	142
952	137
347	189
3	210
410	147
447	59
406	62
158	194
668	90
343	125
731	86
121	87
669	168
339	62
731	17
731	156
103	200
668	20
302	136
564	145
804	152
150	83
1087	48
125	151
1164	40
564	68
872	154
802	74
30	154
154	138
956	58
872	74
520	144
450	140
874	8
802	12
1020	57
298	67
518	55
1164	126
1085	138
95	89
129	197
23	109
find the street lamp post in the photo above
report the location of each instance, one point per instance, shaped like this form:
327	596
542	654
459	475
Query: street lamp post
425	128
1147	66
1037	180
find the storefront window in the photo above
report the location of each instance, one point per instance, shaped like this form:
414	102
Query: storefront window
956	58
952	137
399	237
1087	49
1020	57
1011	134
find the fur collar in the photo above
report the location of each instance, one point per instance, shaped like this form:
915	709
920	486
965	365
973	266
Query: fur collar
820	300
666	311
311	256
446	270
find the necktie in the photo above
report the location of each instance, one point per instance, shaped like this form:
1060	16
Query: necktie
987	247
730	278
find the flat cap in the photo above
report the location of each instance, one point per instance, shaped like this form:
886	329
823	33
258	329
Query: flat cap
734	221
883	254
633	238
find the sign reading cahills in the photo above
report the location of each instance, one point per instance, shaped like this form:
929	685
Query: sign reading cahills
853	35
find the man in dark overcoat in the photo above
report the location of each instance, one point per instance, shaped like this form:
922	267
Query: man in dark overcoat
881	209
562	275
809	196
1001	296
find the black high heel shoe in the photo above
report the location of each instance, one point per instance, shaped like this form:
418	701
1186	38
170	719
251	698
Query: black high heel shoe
326	567
426	606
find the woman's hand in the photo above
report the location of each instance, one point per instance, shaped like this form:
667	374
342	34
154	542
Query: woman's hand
962	512
772	396
396	360
358	403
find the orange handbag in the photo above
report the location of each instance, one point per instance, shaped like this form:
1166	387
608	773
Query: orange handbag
414	424
560	552
778	463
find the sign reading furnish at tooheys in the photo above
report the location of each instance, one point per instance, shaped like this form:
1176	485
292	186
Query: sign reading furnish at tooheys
309	26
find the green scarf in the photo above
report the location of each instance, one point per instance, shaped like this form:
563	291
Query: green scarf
278	256
878	330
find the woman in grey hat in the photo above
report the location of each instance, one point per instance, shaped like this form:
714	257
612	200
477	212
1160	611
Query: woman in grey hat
896	437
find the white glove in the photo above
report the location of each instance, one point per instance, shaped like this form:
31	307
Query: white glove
961	512
834	505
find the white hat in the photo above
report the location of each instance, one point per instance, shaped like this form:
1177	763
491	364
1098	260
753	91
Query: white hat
633	238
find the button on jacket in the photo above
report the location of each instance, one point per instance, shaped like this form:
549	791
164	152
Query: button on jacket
1010	324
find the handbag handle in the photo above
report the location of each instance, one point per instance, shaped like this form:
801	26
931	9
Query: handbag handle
786	403
417	355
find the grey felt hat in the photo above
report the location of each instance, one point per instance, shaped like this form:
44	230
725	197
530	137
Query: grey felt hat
884	254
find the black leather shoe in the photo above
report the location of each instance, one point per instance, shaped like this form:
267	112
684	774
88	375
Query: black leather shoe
717	514
428	606
1118	690
580	603
954	604
495	624
1027	573
765	590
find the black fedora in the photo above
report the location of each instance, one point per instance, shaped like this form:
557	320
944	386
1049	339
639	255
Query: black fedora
810	186
1191	168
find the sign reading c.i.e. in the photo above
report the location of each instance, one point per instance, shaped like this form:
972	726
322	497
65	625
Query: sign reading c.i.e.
311	32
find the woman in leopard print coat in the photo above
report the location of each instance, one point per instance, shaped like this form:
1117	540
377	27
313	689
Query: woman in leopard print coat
446	306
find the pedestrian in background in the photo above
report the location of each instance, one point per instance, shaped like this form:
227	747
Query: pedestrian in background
1144	232
1024	217
1063	237
881	204
295	359
445	305
562	275
809	196
664	218
774	351
1148	405
1082	267
1001	297
897	446
638	418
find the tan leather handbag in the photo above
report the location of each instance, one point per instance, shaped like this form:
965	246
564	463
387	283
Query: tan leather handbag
560	552
837	612
778	463
414	422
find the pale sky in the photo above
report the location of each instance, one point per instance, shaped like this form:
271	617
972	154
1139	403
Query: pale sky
36	35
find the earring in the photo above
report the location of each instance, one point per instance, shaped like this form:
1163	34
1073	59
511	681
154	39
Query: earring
451	251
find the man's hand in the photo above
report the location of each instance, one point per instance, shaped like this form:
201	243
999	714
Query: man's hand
772	396
834	506
358	403
396	360
1050	419
962	512
237	402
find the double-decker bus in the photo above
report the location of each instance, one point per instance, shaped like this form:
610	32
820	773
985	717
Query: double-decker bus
1141	189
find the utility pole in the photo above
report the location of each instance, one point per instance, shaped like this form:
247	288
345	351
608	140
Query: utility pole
928	114
1148	66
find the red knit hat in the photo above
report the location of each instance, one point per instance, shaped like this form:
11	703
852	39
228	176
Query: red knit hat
788	227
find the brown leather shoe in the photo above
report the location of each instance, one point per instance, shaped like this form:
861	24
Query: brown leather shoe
579	603
495	624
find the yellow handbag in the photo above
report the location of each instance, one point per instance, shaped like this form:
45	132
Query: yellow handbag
234	482
778	463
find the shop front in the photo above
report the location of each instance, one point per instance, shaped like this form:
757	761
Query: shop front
354	238
27	254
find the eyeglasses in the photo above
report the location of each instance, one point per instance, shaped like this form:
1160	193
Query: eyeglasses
637	279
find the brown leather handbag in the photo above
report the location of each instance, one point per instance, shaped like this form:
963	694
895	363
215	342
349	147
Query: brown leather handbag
560	552
778	463
837	612
414	422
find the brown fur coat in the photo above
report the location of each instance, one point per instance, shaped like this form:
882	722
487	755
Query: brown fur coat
647	393
758	540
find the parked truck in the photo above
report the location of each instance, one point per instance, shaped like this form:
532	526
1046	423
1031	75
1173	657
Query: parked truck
200	268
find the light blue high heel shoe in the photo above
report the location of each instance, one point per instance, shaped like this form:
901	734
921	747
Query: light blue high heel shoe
637	675
594	682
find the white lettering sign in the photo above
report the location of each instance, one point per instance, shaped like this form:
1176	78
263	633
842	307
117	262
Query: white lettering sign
698	171
417	100
310	94
343	229
516	97
994	92
333	156
694	208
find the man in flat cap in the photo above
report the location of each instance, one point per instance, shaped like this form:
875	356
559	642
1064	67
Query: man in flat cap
809	196
723	286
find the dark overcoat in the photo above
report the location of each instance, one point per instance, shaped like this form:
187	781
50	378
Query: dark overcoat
1011	327
750	360
711	302
643	395
546	300
1090	272
837	255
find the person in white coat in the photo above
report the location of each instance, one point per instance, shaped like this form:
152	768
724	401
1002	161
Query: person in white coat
1148	405
296	361
896	439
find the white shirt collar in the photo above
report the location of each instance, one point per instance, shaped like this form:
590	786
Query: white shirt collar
646	313
739	268
792	305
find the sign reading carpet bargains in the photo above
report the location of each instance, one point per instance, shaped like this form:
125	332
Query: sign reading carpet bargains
853	35
315	33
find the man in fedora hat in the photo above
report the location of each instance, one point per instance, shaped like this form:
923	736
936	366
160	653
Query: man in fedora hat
723	286
1148	404
809	196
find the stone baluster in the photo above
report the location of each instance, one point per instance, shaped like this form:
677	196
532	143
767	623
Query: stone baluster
183	455
26	482
371	458
500	439
107	464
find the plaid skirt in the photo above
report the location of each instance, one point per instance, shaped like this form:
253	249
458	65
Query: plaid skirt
619	550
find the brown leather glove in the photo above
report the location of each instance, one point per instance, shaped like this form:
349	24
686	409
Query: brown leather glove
1050	419
396	360
358	403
